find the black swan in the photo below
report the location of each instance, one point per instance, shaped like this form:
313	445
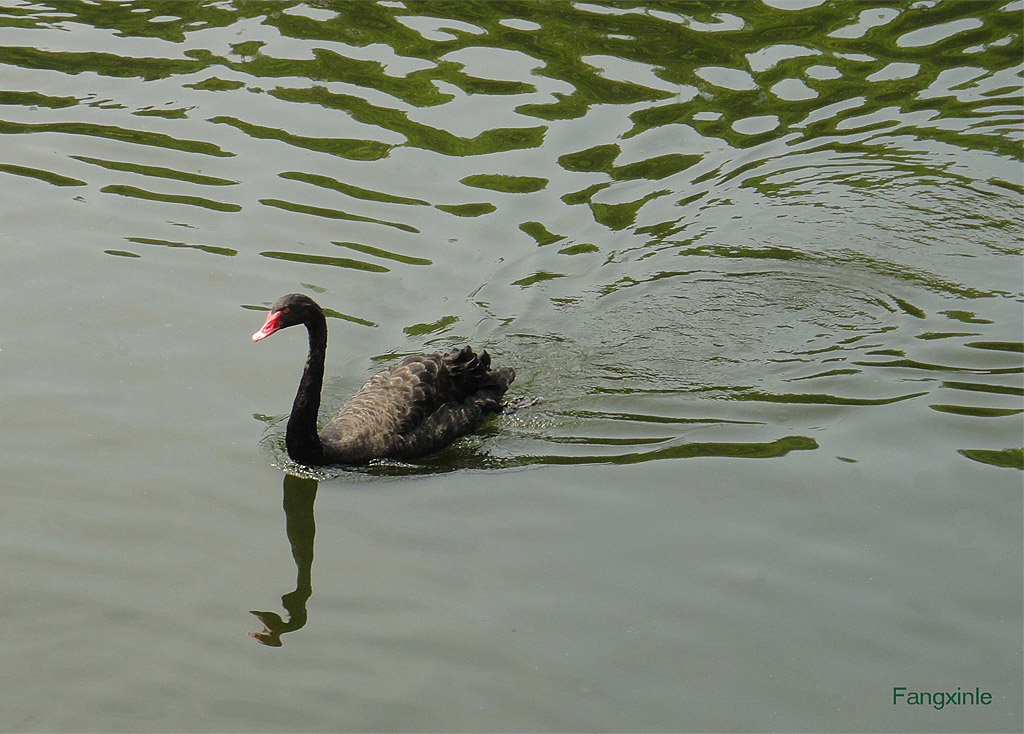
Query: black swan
411	409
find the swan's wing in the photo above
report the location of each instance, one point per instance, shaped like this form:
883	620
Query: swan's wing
420	404
449	422
388	404
478	392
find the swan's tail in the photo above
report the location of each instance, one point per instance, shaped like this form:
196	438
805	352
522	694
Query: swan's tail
473	373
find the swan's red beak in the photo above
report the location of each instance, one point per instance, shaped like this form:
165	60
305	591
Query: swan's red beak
272	324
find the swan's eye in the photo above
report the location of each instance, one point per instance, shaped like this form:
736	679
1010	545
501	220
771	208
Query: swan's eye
286	309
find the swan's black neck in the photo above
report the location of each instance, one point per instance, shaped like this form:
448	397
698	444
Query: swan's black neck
304	445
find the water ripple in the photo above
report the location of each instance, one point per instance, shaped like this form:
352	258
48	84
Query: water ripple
664	210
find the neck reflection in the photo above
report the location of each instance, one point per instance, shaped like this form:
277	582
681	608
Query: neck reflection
299	496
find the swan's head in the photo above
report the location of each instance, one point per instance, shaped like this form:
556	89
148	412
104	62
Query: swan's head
289	310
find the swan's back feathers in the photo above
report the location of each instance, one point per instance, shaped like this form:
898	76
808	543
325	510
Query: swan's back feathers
416	407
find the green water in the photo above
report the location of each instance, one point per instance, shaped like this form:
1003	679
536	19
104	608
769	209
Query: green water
762	260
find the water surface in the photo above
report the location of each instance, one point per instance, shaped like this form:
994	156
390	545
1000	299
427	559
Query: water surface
762	260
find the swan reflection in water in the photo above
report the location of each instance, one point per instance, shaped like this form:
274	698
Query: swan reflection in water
299	495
